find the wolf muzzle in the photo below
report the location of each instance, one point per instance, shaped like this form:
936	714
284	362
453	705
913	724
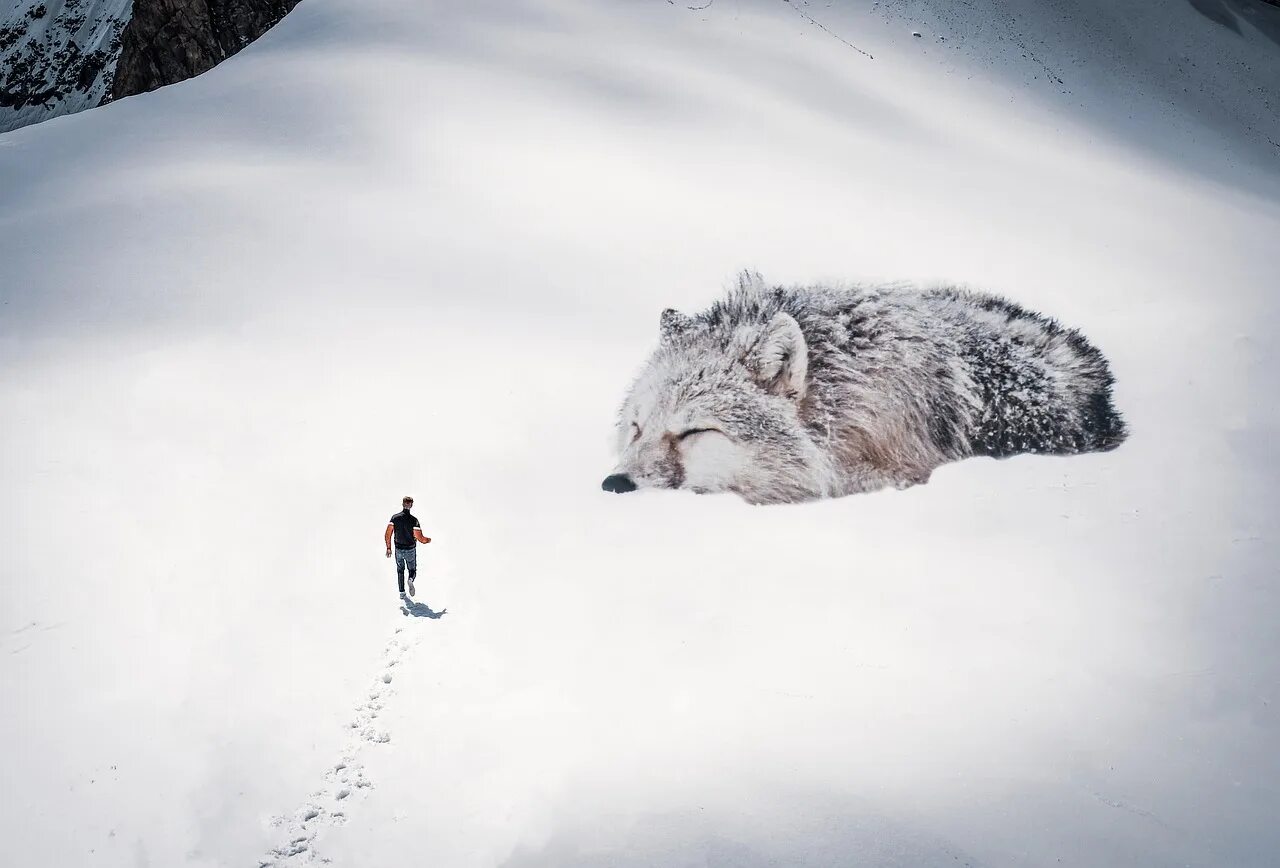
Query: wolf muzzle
618	483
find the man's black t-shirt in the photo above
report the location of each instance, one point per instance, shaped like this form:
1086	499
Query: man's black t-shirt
404	523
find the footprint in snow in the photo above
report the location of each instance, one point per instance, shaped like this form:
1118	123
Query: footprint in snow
344	781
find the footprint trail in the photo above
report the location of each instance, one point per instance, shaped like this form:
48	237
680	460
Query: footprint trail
344	782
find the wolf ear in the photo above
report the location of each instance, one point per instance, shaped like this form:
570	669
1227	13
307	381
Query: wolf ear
671	323
782	358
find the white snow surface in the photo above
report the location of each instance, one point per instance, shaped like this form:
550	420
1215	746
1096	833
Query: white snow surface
398	247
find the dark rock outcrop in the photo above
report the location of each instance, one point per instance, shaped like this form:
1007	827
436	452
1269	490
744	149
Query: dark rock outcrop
171	40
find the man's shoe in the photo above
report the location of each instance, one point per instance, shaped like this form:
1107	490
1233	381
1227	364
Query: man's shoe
411	586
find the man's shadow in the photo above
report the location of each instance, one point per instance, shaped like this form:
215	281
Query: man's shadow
414	609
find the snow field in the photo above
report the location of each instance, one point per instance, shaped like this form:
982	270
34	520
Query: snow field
407	249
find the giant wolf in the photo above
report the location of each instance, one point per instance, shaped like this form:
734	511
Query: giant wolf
786	394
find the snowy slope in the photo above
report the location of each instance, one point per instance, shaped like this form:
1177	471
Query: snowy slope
400	247
57	56
1195	80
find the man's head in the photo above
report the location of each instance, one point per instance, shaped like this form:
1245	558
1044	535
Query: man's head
406	502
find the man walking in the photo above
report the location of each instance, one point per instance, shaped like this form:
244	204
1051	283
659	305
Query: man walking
407	533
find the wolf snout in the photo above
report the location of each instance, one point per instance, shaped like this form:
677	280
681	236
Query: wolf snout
618	483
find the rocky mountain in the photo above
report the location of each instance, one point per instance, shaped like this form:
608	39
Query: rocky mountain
170	40
63	56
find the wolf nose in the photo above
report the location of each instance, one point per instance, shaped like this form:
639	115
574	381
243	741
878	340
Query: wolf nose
618	483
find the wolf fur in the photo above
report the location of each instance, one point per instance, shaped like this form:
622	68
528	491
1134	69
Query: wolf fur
788	394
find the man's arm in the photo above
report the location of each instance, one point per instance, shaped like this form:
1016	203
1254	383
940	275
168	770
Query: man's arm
386	538
417	534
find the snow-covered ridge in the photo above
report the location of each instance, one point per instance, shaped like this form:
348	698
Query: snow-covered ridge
63	56
58	57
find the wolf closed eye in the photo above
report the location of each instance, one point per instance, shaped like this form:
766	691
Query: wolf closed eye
839	390
693	431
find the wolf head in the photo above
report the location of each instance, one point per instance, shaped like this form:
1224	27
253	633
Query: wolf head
717	408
